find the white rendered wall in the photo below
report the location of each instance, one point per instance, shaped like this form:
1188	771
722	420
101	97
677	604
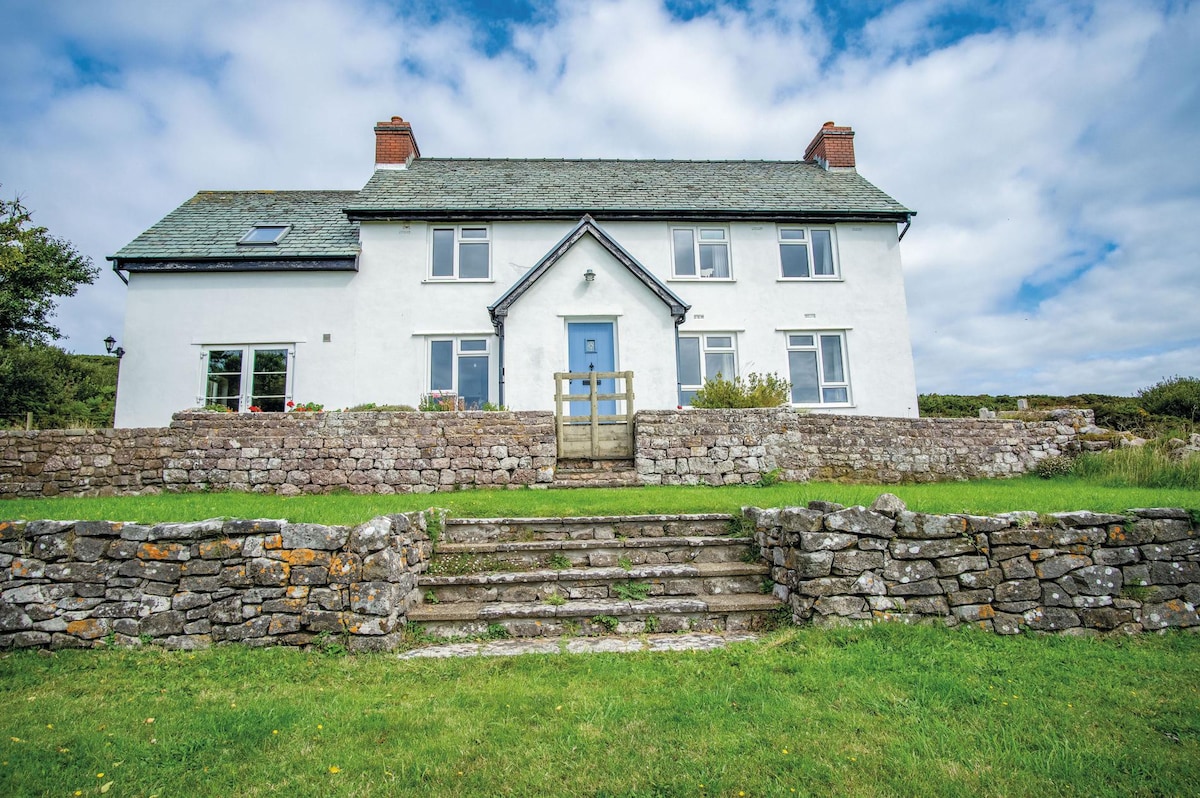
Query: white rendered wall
169	318
536	329
381	318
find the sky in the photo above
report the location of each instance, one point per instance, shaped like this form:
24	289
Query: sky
1051	149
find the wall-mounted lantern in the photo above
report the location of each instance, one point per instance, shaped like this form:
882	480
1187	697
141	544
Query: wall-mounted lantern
110	343
589	275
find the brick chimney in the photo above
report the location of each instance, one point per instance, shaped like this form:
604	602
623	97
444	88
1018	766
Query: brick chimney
832	147
395	146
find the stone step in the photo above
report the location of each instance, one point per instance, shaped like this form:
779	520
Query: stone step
717	613
681	641
597	481
694	579
584	473
484	530
541	554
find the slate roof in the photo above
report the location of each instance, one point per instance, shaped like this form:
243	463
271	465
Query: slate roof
209	225
614	188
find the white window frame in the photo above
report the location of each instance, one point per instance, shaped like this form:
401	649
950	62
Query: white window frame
794	341
706	347
459	241
246	241
696	232
457	352
807	244
245	397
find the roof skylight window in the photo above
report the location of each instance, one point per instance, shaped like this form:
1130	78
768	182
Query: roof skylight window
265	234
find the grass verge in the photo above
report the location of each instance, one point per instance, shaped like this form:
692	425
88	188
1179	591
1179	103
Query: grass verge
887	710
980	497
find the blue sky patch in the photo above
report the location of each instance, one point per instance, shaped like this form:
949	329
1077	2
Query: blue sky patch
1034	290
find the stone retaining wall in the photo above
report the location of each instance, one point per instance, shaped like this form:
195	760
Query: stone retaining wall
74	584
406	452
78	462
291	453
1079	573
411	452
716	447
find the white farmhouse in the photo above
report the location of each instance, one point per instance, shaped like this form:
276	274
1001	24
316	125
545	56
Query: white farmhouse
483	277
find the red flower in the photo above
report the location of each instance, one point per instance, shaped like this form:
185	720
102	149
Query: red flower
291	403
255	409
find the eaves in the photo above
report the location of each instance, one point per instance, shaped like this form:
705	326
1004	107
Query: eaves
339	263
618	215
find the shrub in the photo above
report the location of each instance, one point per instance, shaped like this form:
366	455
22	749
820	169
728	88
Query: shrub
757	390
1124	415
1054	466
933	405
1174	396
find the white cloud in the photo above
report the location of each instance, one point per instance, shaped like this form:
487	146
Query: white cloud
1027	150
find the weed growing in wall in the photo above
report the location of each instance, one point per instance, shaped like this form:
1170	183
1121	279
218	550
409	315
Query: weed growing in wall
631	591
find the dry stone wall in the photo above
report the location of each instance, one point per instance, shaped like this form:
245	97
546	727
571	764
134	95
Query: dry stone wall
377	452
73	584
406	452
1077	573
721	447
411	452
78	462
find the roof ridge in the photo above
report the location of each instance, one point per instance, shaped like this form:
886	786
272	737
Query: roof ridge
617	160
275	191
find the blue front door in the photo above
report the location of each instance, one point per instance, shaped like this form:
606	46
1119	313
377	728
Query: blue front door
590	348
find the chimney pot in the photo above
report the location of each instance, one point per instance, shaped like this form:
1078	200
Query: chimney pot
832	147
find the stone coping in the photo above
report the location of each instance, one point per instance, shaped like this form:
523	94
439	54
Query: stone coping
594	519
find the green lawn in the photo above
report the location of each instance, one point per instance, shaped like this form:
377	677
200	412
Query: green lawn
888	710
980	497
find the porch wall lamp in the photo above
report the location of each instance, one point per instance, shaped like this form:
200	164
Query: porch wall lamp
589	275
110	343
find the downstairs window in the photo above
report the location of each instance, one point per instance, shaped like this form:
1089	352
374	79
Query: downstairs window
703	357
818	368
241	377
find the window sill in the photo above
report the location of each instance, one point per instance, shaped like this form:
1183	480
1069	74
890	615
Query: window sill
810	279
829	406
453	280
701	280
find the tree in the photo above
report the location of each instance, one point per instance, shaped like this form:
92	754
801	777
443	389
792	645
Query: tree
59	389
35	269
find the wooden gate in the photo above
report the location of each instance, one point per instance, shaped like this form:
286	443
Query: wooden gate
595	436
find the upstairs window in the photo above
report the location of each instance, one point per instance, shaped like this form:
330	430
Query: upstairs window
701	253
702	358
807	253
818	369
461	253
265	234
